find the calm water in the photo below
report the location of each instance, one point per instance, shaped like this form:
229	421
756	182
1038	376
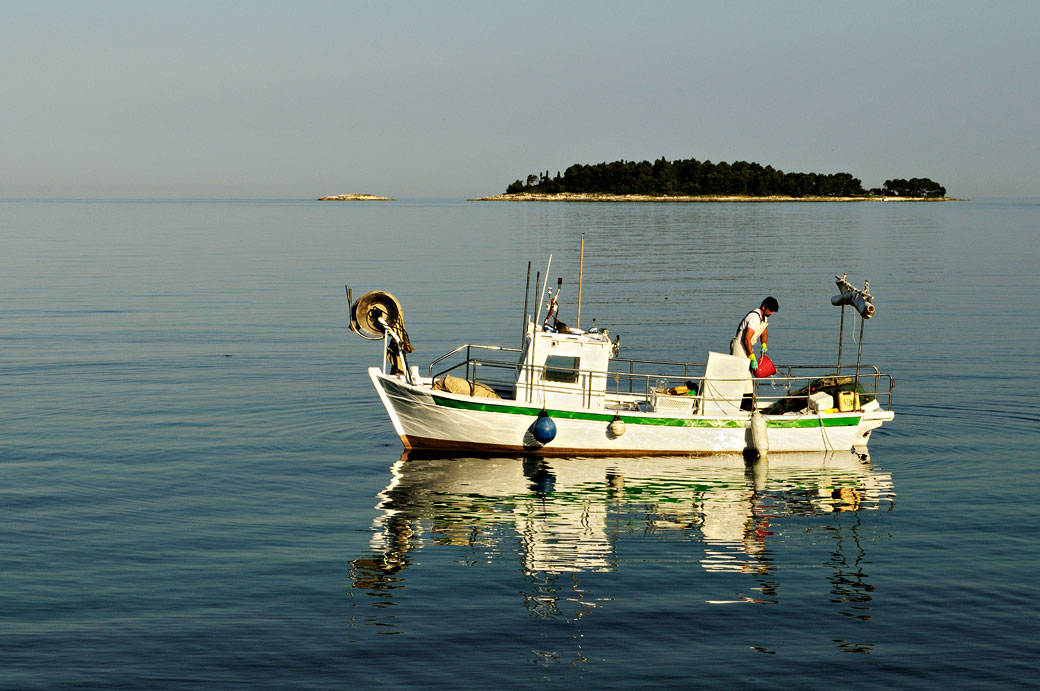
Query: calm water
200	490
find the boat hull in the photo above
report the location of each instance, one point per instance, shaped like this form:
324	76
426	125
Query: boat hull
427	419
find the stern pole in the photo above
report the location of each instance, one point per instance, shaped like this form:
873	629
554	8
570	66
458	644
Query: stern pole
841	336
859	356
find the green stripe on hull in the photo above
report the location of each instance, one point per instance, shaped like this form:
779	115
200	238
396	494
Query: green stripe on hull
641	419
814	422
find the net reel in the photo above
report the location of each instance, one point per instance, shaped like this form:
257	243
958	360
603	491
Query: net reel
377	315
374	313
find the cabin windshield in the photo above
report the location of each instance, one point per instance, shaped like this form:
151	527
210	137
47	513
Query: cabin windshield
562	369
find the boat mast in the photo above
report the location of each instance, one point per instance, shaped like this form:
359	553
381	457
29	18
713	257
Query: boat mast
527	294
530	356
581	269
537	315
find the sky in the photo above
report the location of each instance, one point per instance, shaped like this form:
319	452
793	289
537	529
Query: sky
301	98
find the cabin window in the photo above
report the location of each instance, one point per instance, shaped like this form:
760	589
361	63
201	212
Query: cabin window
561	369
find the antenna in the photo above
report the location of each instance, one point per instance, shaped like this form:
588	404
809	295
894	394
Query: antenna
538	312
554	303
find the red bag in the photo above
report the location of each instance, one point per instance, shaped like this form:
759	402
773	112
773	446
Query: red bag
766	367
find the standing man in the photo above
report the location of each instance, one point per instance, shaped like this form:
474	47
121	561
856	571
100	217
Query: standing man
754	326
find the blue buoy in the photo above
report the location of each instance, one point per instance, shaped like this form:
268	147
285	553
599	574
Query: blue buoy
544	429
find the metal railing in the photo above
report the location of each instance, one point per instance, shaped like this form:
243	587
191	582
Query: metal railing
789	389
470	365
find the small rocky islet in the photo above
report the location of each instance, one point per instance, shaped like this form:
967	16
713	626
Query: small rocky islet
355	198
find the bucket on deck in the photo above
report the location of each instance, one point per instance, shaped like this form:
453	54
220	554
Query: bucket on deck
766	368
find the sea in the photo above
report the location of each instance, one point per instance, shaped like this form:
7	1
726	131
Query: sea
199	488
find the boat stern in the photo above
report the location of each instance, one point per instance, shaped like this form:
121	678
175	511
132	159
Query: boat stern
870	421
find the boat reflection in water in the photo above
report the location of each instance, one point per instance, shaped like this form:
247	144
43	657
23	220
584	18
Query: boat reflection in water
568	515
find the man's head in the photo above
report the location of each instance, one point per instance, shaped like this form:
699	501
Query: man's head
769	306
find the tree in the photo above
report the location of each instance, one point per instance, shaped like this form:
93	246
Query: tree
914	187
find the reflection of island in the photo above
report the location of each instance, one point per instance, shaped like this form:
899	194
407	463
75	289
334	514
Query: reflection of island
569	514
707	198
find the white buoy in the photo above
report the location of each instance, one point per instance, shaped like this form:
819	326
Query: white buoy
617	427
759	434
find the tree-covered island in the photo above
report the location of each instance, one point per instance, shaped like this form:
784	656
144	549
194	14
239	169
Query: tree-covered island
691	178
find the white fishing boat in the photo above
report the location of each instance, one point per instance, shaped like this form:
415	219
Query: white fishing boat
567	392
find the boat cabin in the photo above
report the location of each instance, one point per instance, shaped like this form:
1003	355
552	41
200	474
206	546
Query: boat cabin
563	368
